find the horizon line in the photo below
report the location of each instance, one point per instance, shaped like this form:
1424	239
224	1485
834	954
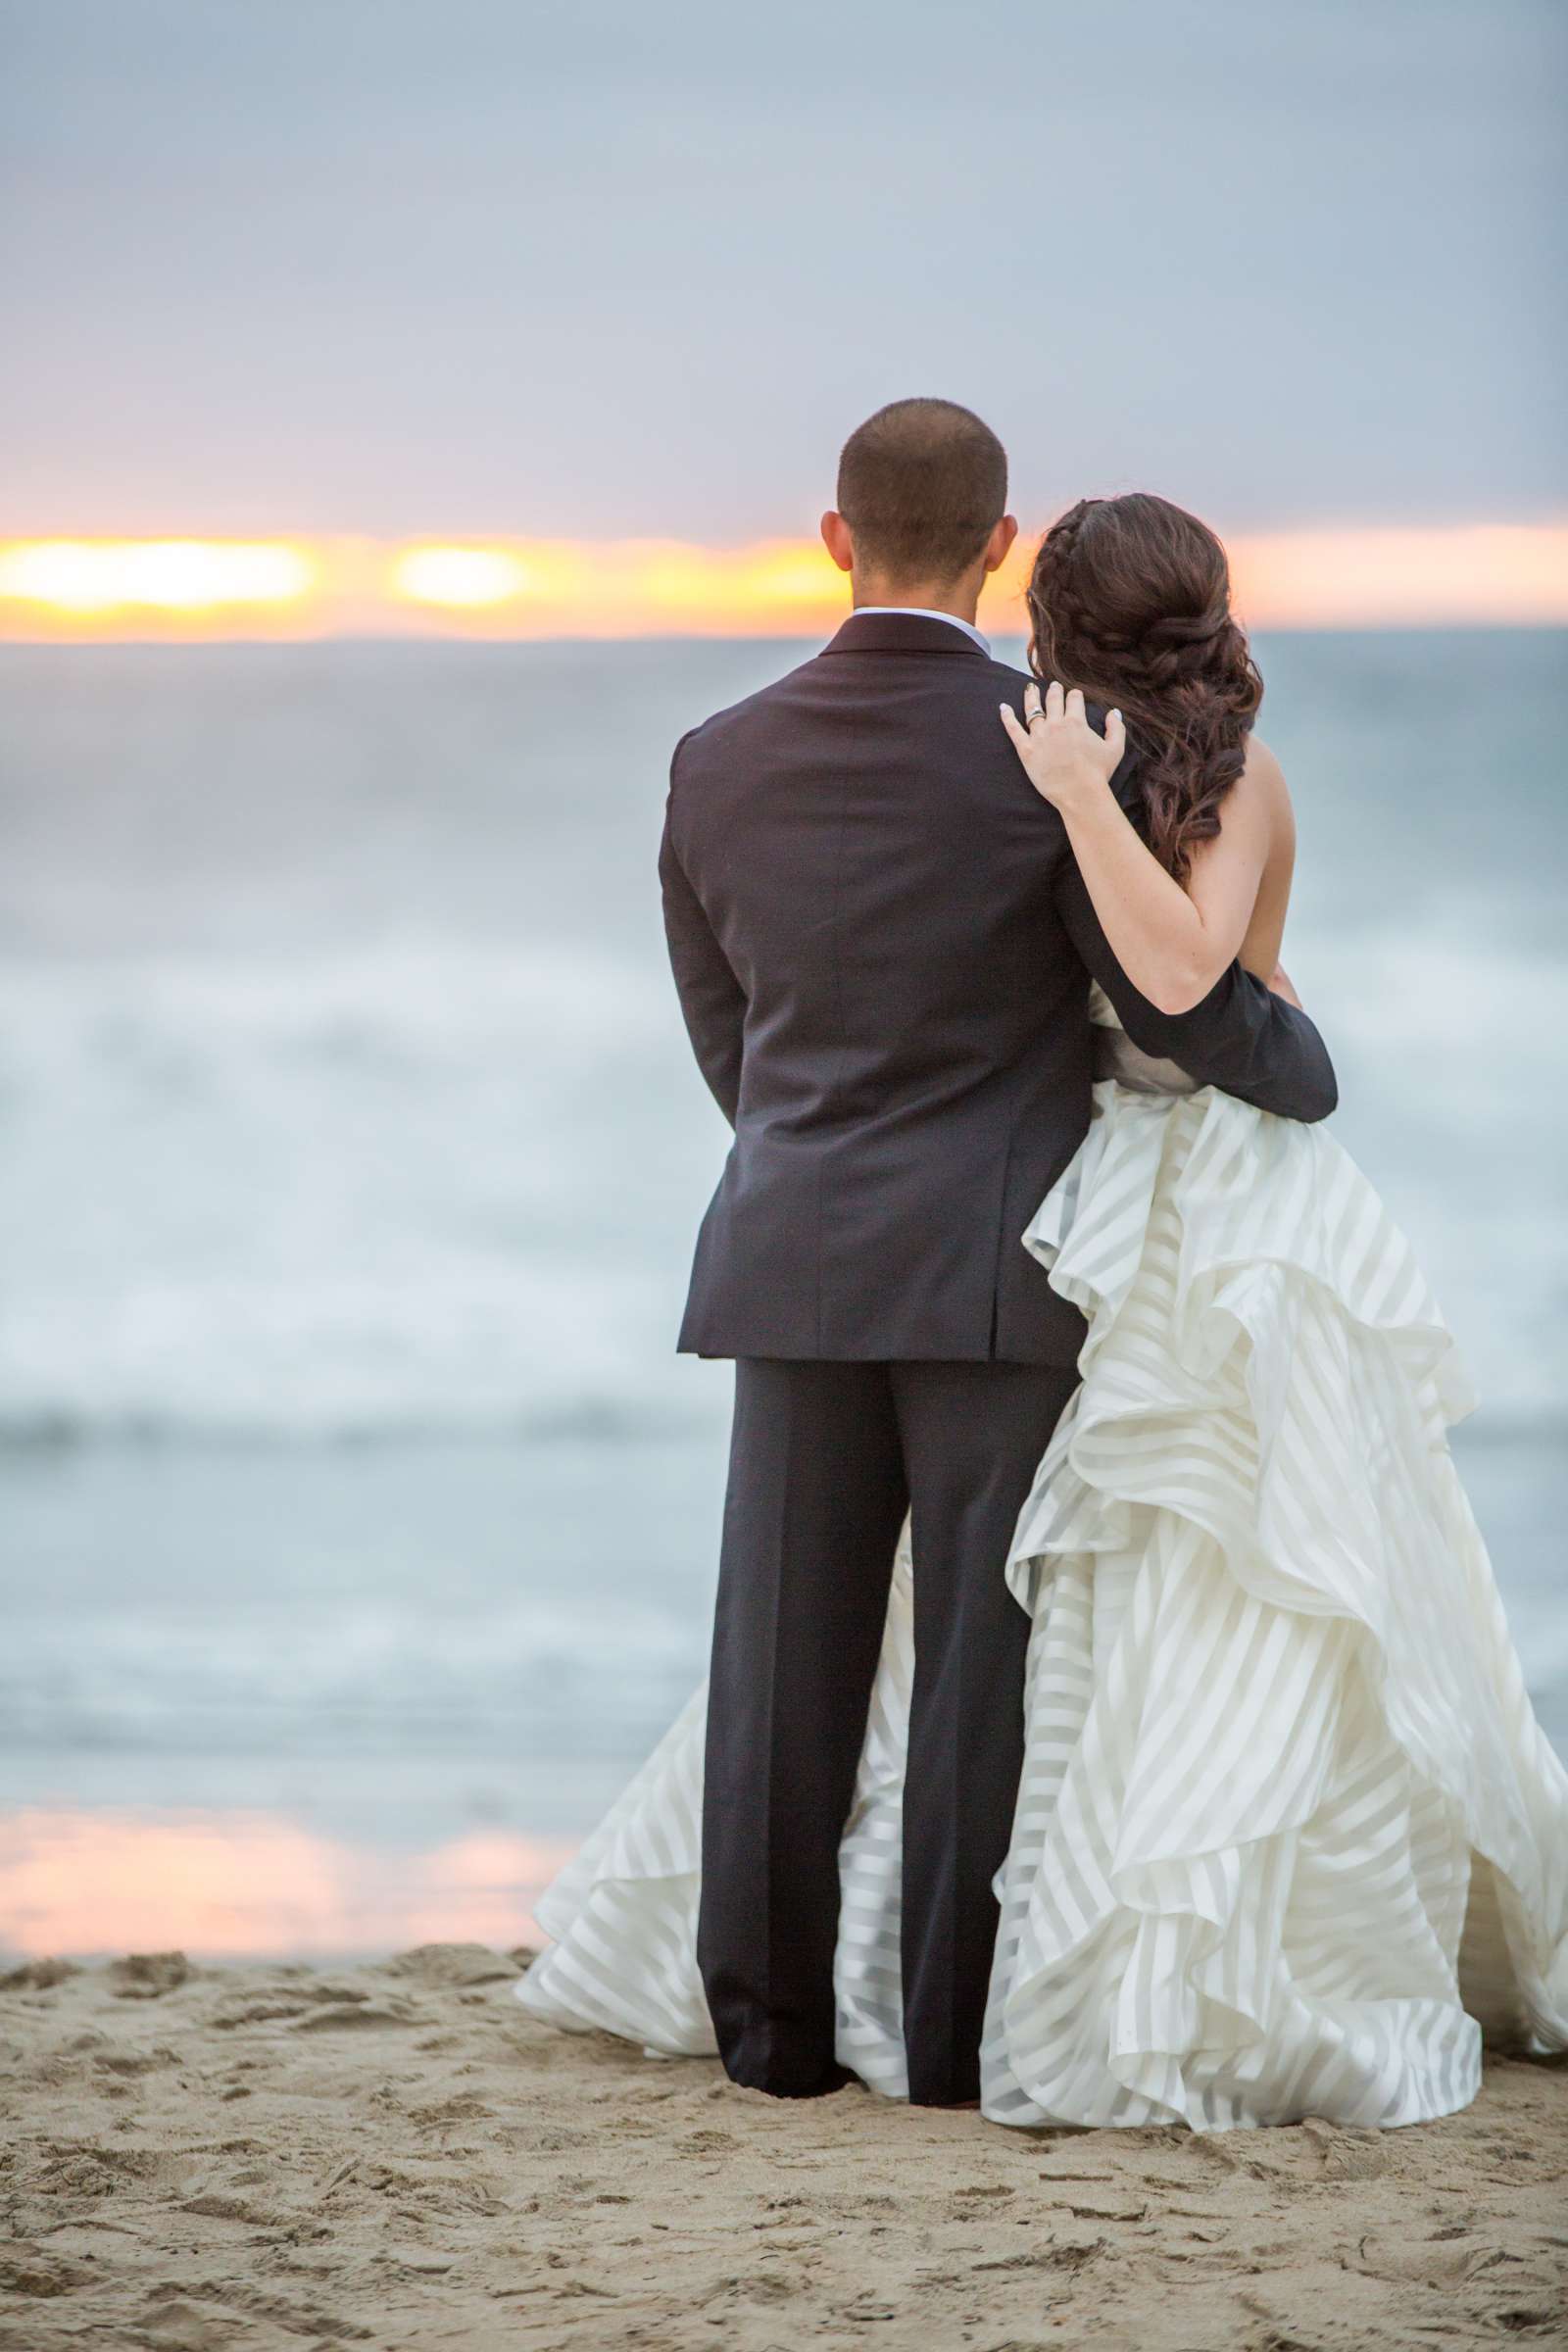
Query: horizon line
238	640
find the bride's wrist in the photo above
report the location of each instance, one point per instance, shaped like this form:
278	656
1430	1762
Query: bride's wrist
1084	795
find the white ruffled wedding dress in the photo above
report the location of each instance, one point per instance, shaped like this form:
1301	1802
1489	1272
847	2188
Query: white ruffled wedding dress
1288	1839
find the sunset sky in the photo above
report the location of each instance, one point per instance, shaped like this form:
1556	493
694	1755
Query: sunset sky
413	293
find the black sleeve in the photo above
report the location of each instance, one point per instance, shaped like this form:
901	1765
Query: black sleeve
1241	1038
712	998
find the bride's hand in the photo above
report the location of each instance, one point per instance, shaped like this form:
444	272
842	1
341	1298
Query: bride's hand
1063	757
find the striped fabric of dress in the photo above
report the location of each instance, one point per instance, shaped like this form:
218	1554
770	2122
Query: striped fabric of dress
1288	1839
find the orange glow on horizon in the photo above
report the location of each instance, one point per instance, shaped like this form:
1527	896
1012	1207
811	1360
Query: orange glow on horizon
97	580
1412	577
1349	576
460	577
80	1882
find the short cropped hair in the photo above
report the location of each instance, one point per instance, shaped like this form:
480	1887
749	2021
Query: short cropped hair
922	484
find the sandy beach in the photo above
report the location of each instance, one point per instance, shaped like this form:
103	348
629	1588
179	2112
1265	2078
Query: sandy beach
243	2159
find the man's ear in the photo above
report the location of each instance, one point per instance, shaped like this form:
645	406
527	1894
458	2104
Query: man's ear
1000	544
837	540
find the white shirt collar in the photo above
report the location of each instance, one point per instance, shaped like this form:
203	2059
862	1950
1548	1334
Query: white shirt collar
925	612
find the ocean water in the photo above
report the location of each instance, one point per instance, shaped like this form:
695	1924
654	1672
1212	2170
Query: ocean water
357	1522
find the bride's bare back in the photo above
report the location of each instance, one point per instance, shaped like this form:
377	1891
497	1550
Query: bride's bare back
1246	868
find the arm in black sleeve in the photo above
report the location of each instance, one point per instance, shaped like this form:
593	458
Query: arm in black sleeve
1241	1038
712	998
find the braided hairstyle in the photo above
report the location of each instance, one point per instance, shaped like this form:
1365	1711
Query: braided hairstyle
1130	600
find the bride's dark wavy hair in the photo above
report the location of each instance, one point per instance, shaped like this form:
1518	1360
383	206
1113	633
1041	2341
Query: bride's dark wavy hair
1130	600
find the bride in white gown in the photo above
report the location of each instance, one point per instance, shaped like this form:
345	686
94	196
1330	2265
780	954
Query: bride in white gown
1289	1840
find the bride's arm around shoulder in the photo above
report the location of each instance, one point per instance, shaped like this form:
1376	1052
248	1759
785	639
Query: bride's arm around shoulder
1172	940
1192	966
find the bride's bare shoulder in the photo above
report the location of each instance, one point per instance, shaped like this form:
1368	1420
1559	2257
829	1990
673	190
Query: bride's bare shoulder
1261	771
1262	784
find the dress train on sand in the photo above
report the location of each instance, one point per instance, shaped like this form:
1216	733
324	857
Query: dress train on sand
1288	1839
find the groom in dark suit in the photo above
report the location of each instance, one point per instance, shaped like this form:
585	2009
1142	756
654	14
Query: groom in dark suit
883	949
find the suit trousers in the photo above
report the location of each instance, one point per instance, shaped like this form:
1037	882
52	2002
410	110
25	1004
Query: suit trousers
825	1459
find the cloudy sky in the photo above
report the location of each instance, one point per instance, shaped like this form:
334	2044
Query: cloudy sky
608	267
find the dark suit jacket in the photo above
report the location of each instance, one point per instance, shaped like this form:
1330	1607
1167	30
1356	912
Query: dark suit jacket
882	946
